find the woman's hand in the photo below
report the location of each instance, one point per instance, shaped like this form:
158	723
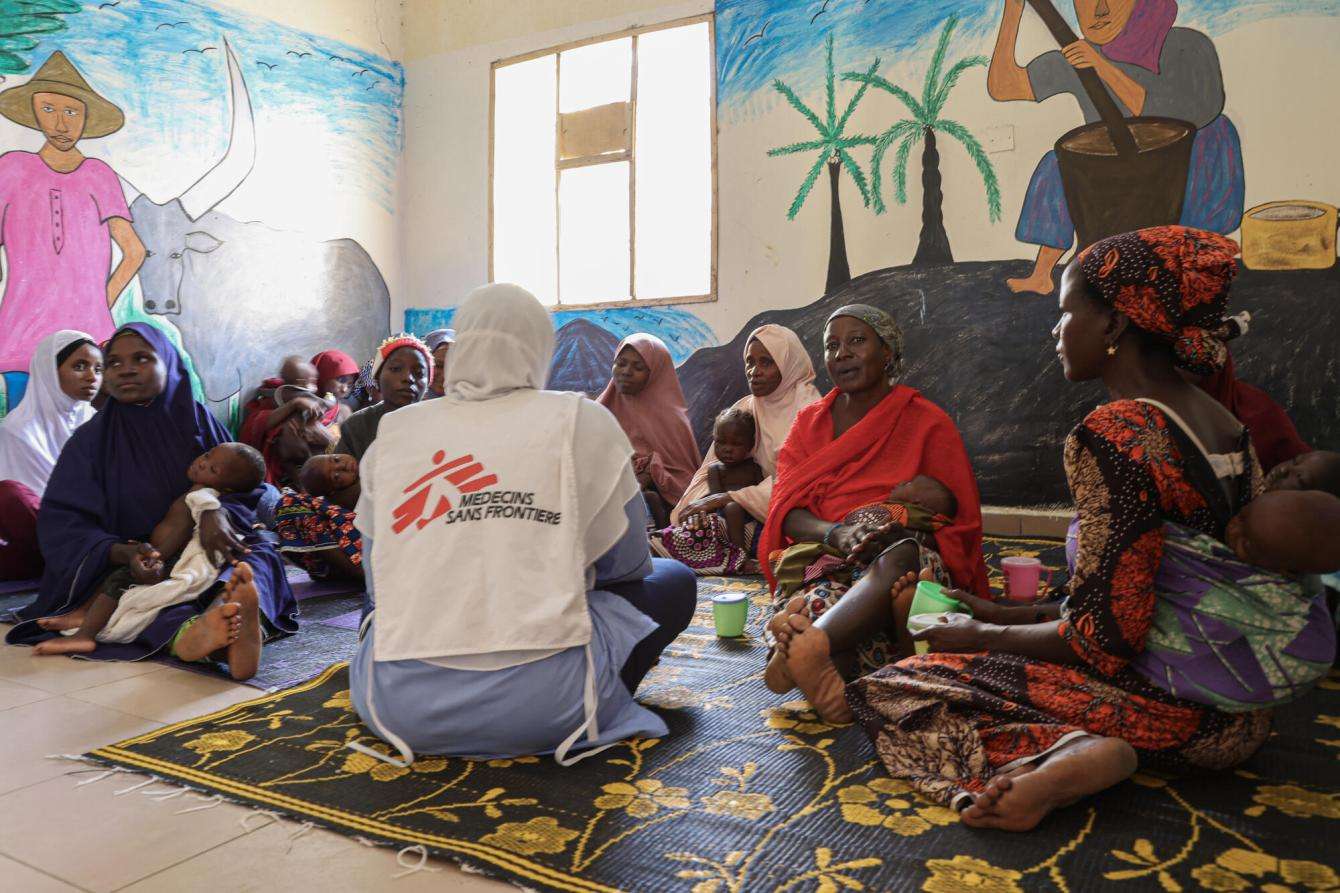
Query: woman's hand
1081	54
863	543
982	609
146	567
694	516
217	537
958	634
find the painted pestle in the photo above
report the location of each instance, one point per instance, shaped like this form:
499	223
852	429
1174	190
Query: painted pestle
1122	138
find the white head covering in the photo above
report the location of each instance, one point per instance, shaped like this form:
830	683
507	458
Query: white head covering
515	449
32	436
774	413
773	416
504	342
438	337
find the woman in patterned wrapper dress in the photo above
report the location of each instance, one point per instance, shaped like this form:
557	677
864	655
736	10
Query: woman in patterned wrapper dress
1021	710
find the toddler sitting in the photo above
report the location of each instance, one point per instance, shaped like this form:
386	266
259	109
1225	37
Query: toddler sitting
733	437
132	595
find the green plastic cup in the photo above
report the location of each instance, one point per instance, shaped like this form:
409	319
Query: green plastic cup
931	598
729	612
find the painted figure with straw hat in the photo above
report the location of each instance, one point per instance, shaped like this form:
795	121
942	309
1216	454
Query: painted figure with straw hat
59	214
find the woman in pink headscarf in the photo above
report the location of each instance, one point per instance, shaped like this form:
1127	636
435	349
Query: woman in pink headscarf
645	396
781	383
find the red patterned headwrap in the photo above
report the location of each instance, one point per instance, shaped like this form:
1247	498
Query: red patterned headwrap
394	343
1172	282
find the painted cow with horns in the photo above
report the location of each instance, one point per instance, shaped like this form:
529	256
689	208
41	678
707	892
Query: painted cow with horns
245	295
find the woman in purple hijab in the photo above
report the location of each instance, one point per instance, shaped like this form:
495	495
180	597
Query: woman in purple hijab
115	479
1152	68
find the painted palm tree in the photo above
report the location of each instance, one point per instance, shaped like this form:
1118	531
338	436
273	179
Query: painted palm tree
23	23
923	125
833	146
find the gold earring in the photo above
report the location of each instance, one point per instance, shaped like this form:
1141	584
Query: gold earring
1111	350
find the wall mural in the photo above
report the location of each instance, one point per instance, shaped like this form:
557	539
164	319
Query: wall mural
1153	146
586	339
180	76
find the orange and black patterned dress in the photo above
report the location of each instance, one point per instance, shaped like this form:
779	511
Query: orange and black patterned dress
948	723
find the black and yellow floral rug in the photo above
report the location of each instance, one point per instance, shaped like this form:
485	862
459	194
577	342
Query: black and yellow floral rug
751	793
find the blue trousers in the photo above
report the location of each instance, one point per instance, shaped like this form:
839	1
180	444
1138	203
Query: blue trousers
668	595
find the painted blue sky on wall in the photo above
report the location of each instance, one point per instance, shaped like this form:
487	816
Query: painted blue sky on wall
128	50
758	40
682	332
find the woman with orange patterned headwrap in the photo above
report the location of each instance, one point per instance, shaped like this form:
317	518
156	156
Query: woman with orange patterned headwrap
1019	710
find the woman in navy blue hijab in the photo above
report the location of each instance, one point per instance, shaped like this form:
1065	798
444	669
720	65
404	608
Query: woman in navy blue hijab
115	479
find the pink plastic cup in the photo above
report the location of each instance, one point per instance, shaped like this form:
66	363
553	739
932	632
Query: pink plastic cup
1022	578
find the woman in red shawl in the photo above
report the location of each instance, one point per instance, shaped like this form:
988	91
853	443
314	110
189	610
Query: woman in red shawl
850	451
645	397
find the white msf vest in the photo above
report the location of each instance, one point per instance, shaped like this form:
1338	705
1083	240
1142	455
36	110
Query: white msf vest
479	544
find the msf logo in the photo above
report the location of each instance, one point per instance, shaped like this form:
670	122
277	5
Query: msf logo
463	473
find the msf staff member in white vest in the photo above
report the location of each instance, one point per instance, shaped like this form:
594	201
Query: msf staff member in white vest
516	606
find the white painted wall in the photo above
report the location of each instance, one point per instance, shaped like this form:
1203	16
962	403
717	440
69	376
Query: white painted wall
1280	86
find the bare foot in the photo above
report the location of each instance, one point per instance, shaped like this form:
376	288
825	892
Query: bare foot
72	620
244	654
76	644
217	628
1018	801
812	667
1038	284
780	624
777	677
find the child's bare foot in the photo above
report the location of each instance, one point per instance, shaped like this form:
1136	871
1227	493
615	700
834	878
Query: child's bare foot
61	622
244	654
1019	800
217	628
811	665
76	644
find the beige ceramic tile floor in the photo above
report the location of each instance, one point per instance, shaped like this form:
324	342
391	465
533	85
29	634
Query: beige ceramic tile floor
56	836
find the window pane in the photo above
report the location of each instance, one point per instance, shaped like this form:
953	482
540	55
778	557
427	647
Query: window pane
674	163
593	233
524	224
595	74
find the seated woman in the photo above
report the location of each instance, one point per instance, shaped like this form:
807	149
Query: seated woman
439	341
63	378
402	371
781	383
851	451
1044	706
645	397
517	607
116	479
